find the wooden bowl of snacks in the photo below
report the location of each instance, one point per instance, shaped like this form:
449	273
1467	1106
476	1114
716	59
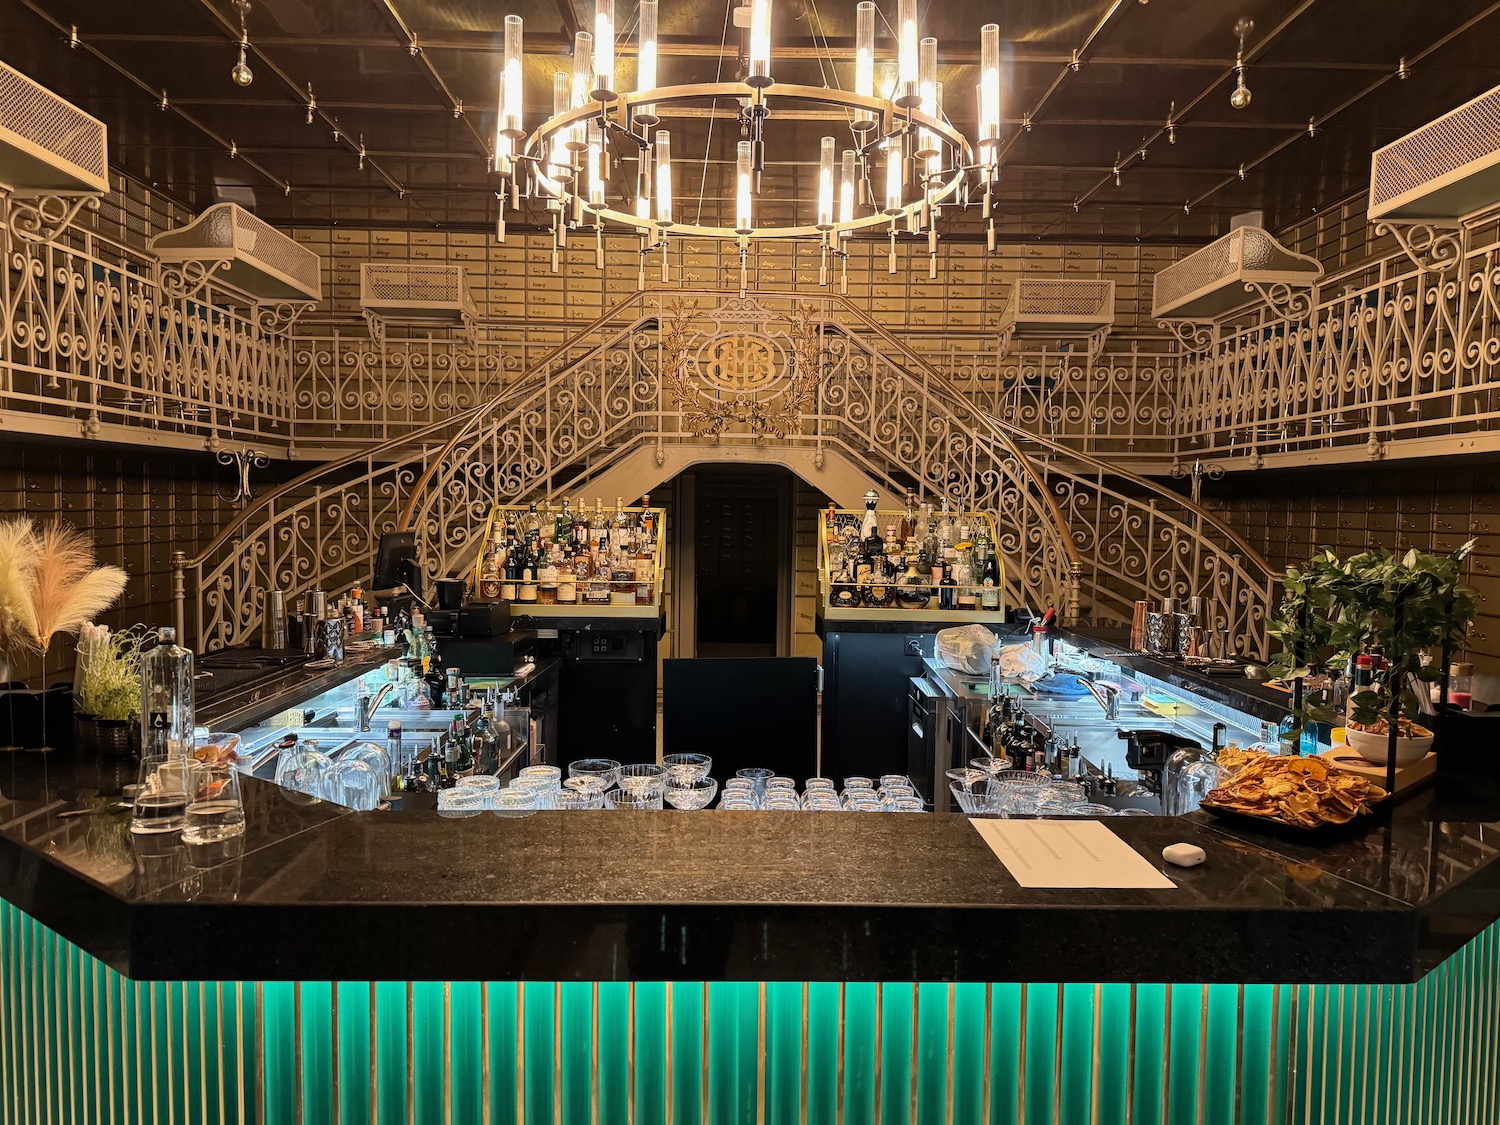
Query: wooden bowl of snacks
1373	741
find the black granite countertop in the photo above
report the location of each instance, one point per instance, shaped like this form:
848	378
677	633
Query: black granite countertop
318	892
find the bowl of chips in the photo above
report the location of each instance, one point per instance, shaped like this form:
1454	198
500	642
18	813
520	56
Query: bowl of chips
1372	742
1299	793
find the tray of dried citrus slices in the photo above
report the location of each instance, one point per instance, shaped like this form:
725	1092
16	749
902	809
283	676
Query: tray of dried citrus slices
1297	797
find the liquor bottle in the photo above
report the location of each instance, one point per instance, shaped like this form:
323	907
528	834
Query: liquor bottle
567	581
880	591
909	519
620	535
989	574
546	583
531	527
599	579
645	573
463	761
510	583
167	698
483	746
964	575
565	521
393	749
869	527
945	527
935	580
527	591
947	589
831	525
581	524
621	574
648	519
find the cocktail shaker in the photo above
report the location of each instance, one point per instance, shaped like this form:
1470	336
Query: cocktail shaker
1161	634
273	635
317	604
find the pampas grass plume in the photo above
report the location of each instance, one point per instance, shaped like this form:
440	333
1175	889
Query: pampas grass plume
68	590
18	567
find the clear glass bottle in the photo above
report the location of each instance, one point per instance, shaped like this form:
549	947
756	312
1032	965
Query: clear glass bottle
167	698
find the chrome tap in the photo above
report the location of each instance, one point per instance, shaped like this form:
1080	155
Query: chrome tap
368	705
1106	695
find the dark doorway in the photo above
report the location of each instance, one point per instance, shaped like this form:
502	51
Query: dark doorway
740	540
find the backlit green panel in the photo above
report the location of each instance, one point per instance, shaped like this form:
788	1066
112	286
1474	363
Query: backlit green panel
82	1044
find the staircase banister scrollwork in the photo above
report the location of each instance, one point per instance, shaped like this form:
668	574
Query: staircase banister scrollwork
408	513
1008	430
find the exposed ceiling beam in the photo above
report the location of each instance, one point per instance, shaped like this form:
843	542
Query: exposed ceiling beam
450	100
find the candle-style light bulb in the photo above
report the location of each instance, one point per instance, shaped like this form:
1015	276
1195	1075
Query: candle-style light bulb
893	187
663	178
505	149
906	54
596	176
989	93
583	87
864	61
935	154
604	50
743	174
645	78
760	43
847	186
643	184
511	112
927	140
559	163
825	185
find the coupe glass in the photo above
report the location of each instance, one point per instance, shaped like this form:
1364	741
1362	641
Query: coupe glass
607	769
634	800
687	767
644	778
1085	808
578	800
514	802
692	795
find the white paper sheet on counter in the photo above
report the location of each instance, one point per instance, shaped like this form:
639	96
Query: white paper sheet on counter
1069	853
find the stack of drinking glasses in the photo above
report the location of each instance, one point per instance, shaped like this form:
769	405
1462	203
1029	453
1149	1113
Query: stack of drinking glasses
980	790
758	788
689	788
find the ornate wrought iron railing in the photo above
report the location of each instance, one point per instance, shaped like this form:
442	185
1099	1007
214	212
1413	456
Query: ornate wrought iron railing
1396	350
88	336
671	366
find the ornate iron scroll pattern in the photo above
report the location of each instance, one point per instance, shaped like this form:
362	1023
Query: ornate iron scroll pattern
87	334
1391	352
1065	518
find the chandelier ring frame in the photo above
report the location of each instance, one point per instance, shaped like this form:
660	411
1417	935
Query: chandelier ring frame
890	119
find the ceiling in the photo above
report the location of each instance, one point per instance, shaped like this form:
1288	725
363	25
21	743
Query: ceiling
389	75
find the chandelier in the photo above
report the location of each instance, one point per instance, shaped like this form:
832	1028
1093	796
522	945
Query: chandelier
904	161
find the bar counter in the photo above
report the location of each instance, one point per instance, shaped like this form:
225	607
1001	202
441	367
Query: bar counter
714	966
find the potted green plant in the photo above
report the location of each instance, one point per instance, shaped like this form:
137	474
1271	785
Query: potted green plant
1409	604
110	688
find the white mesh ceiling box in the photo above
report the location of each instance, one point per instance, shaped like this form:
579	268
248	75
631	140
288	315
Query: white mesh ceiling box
47	145
1216	280
246	253
409	291
1059	305
1445	170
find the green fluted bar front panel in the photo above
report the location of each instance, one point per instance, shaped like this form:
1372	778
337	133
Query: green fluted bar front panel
79	1043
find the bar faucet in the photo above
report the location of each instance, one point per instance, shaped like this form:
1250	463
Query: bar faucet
368	704
1106	695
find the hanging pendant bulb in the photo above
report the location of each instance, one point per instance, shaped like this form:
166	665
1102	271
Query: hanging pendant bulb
663	182
760	44
743	172
846	190
927	140
510	81
604	51
643	185
645	78
504	155
825	185
989	98
559	162
583	87
864	62
893	179
596	176
906	54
